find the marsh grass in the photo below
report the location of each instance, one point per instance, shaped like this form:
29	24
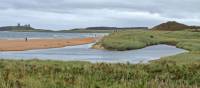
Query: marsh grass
128	40
179	71
55	74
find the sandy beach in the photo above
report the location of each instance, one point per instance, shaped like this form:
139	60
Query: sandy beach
21	45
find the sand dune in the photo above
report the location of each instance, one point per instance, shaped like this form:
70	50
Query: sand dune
21	45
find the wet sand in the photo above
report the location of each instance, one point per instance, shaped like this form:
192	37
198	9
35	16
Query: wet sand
22	45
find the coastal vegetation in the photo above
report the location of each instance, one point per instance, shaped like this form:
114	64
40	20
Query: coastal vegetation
55	74
185	39
128	40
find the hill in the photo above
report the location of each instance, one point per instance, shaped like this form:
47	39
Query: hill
101	29
24	28
115	28
171	26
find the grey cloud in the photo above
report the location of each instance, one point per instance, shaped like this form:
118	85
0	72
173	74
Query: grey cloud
63	14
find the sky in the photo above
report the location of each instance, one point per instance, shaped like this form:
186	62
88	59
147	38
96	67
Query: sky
67	14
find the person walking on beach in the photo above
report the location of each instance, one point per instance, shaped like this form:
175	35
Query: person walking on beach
95	35
26	39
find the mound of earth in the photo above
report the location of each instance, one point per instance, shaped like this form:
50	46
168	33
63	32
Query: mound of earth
171	26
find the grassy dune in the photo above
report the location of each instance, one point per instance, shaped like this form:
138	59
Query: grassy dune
128	40
54	74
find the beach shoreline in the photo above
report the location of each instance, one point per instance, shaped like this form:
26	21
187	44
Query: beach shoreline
32	44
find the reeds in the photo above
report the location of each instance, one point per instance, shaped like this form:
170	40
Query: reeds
52	74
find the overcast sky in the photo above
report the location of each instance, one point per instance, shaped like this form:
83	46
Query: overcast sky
66	14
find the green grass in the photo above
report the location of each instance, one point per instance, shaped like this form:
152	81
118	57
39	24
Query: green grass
55	74
184	58
128	40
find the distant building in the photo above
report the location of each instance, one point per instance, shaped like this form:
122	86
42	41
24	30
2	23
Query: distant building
29	25
18	24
